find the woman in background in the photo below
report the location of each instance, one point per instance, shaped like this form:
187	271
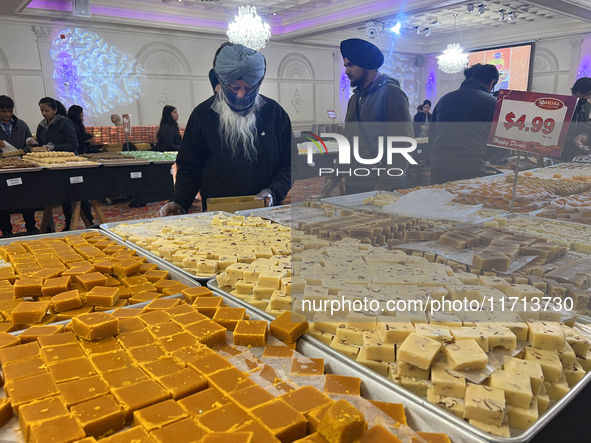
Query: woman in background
169	135
57	133
76	115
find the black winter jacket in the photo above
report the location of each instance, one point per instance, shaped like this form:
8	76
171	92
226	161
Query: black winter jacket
60	132
18	136
459	129
169	138
205	164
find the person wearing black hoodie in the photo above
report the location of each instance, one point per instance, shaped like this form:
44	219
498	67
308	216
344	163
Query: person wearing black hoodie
460	126
378	108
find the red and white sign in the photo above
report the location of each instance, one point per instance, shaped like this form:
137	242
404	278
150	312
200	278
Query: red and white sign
332	114
126	118
531	121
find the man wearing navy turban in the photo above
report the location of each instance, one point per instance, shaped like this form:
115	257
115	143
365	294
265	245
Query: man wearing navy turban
237	142
378	108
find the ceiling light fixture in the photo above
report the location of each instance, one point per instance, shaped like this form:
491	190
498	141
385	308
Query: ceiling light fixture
481	9
512	15
396	28
502	14
427	32
417	29
470	7
453	58
249	29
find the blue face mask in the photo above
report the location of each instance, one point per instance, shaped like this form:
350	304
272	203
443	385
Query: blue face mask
243	105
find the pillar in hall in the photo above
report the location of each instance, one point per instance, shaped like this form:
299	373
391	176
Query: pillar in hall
43	34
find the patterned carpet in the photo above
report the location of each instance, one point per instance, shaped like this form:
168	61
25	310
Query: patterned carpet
120	210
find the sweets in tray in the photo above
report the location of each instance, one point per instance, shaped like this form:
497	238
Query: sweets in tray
185	370
15	163
52	279
54	159
454	357
108	156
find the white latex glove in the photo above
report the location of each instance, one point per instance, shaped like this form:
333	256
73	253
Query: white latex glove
265	195
170	208
31	142
49	146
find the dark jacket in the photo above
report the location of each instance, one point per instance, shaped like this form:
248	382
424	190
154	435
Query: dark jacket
419	119
579	125
383	111
61	133
18	136
205	164
83	138
169	138
459	129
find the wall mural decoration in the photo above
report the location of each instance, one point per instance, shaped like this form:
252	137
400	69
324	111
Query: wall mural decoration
91	73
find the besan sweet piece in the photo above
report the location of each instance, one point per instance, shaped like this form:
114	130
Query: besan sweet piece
418	350
66	301
251	333
95	326
484	404
289	326
447	384
29	312
342	423
102	296
517	387
546	335
464	355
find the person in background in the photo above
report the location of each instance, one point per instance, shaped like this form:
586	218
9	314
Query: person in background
58	133
116	120
460	126
468	72
16	133
378	108
169	135
215	84
76	115
422	120
573	146
419	109
237	142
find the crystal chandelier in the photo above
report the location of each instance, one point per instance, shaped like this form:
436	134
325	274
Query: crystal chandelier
248	29
453	58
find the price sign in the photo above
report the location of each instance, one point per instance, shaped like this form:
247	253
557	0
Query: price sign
78	179
126	118
332	114
530	121
135	175
14	181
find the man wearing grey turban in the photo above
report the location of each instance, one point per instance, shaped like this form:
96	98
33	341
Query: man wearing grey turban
237	142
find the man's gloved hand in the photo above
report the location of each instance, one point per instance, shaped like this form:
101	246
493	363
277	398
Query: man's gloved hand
171	208
329	186
30	141
265	195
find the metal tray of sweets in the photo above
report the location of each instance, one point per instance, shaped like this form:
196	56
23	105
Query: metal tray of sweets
421	417
418	419
119	162
387	389
107	227
20	170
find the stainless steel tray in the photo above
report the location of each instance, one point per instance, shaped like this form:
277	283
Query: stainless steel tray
164	162
20	170
424	418
388	388
114	163
73	166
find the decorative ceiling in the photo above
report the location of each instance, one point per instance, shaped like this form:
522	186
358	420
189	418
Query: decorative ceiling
327	22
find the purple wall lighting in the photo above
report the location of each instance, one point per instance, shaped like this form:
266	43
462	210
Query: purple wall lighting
585	67
431	85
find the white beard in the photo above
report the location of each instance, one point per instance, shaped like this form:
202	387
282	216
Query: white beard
237	131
